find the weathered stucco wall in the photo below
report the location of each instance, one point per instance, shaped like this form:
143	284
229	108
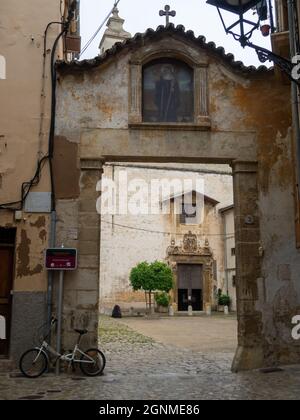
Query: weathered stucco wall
247	123
21	104
278	293
24	124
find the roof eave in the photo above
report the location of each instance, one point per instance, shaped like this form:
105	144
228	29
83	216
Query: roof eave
150	34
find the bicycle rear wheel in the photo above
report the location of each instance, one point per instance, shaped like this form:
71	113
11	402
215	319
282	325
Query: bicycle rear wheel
33	363
92	362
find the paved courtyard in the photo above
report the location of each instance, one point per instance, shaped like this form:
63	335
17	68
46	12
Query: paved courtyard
139	367
217	333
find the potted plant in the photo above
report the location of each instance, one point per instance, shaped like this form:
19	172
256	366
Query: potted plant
223	301
162	300
265	30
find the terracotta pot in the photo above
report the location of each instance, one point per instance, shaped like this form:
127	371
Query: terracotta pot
265	30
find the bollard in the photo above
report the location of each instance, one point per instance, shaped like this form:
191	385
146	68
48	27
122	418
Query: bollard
208	309
2	328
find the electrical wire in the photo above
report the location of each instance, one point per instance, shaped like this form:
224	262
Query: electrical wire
87	45
27	186
228	235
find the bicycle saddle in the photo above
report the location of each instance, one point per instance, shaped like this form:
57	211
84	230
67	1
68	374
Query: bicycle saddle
81	332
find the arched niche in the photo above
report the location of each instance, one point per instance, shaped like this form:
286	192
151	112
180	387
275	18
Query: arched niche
176	56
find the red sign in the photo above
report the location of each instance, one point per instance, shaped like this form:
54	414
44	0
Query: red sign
61	259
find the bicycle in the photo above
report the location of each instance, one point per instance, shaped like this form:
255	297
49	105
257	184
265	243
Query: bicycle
35	362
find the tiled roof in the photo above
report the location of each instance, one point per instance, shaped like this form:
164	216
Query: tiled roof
152	34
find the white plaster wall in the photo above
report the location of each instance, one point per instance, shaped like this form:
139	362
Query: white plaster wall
230	241
228	219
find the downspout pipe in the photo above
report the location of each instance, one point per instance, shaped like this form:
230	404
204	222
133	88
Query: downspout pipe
52	240
294	88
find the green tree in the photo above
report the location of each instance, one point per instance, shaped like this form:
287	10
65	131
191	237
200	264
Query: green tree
153	277
163	277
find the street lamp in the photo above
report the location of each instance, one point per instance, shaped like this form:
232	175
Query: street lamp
234	6
242	28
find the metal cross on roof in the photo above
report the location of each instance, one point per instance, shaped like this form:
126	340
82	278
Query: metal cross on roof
167	12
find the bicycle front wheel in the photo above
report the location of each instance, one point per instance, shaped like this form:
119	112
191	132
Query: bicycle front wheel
92	362
33	363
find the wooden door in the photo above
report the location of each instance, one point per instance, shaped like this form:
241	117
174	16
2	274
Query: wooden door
190	279
6	283
183	302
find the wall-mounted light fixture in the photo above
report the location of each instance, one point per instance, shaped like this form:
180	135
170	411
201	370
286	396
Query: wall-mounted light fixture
242	28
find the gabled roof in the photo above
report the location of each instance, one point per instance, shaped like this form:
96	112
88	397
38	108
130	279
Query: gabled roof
226	209
151	34
188	192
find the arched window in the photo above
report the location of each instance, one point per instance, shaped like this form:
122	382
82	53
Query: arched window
168	92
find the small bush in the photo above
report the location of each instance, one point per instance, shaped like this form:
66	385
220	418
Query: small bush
162	299
224	300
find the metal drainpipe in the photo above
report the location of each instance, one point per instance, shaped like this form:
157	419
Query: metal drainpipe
294	88
52	243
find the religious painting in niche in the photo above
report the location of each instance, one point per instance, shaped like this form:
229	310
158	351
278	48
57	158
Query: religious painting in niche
168	92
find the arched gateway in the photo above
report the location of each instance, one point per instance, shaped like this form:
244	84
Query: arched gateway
108	111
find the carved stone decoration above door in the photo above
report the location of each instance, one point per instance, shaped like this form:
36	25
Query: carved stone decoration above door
190	243
190	246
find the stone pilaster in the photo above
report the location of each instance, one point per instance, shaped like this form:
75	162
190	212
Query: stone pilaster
135	103
82	295
249	354
201	95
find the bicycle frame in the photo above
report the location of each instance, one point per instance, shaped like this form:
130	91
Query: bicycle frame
71	357
67	357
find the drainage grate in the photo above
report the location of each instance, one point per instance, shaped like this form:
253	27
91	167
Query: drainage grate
78	379
271	370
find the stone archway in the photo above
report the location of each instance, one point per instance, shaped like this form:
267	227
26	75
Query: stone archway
249	354
218	135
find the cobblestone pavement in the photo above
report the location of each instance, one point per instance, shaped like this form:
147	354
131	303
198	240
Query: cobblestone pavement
139	368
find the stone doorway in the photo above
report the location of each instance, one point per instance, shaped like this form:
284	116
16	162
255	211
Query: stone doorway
192	266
